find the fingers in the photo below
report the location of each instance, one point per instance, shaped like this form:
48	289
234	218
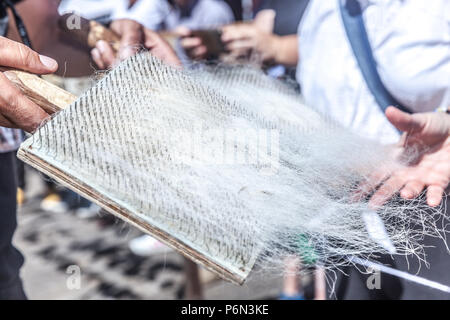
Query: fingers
182	31
96	56
199	52
194	47
103	55
412	190
237	32
371	183
434	195
238	39
17	110
403	121
265	20
386	192
240	45
191	42
160	48
6	123
409	191
19	56
129	46
132	37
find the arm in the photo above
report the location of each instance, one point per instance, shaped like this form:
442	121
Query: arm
240	39
285	50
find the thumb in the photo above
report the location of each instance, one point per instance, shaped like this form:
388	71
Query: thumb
182	31
265	20
18	56
404	121
131	34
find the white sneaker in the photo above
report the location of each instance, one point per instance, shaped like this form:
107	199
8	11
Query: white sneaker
53	203
89	212
145	246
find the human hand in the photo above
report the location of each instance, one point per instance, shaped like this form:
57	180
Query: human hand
16	110
131	35
133	38
243	39
160	48
428	134
194	46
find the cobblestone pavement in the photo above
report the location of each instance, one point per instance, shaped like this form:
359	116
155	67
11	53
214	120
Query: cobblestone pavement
56	245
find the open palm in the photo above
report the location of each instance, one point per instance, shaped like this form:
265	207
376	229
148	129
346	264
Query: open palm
428	135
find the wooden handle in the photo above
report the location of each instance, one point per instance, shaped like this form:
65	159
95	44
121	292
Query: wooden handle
45	94
87	32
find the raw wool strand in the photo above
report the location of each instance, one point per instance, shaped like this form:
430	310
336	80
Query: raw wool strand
155	140
330	150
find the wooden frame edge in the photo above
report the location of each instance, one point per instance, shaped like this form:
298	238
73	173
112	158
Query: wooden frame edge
77	186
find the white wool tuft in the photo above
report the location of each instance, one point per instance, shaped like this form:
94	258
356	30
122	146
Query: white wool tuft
231	163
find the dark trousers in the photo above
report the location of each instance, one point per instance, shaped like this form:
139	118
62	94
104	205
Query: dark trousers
353	286
10	258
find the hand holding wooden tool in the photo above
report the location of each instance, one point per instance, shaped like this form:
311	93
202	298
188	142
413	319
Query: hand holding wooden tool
123	39
45	94
88	32
17	110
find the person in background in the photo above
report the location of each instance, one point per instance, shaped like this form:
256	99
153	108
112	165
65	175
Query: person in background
410	45
257	41
269	39
134	35
40	18
317	65
179	17
170	14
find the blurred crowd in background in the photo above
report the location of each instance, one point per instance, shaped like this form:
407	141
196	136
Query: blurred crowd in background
304	41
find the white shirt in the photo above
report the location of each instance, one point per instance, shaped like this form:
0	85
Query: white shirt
93	9
158	14
153	14
411	45
149	13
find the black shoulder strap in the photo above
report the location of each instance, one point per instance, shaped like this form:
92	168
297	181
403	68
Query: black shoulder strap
357	35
